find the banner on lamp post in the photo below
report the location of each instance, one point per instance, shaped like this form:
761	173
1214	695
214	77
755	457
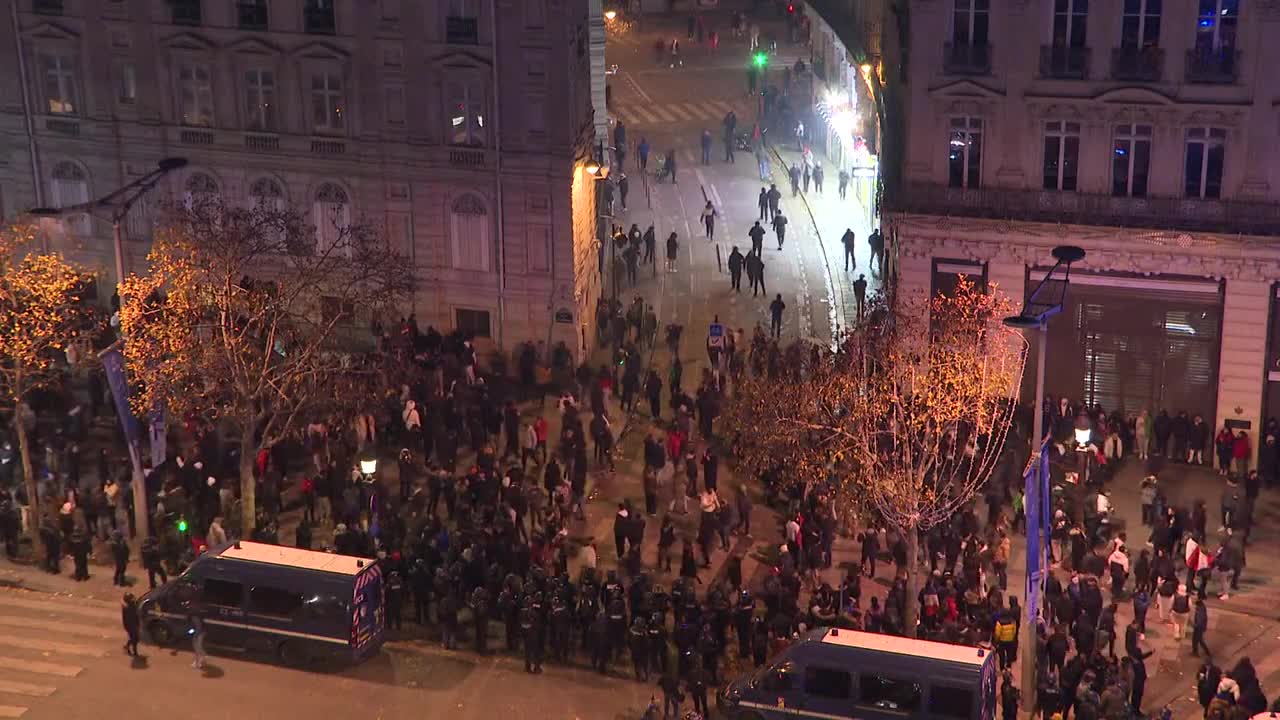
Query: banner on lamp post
113	365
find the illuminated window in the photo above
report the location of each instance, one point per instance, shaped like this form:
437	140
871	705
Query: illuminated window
964	153
466	116
328	112
59	83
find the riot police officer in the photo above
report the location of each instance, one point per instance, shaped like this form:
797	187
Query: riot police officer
560	628
638	639
598	635
657	632
531	626
480	618
509	608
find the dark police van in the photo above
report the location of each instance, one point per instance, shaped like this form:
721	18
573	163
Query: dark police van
303	606
832	674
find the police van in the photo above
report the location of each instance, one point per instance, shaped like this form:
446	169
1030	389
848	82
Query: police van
831	674
300	605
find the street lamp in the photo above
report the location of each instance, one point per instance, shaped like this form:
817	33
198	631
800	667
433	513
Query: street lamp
117	204
610	14
368	466
1043	303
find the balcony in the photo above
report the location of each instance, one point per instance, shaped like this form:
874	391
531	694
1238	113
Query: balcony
1225	216
251	15
1064	62
966	59
318	19
185	12
1133	64
1216	66
262	143
466	158
461	31
47	7
195	137
328	147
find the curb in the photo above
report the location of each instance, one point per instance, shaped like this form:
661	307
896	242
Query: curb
826	261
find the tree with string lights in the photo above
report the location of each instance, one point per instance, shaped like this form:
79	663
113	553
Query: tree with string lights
906	419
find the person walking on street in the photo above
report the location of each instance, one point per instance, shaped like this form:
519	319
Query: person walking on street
775	316
735	269
850	242
673	248
709	221
620	144
780	228
775	196
860	293
1200	624
642	154
817	180
132	624
756	233
195	629
794	175
876	241
623	187
843	179
804	179
755	273
650	239
763	203
706	147
762	162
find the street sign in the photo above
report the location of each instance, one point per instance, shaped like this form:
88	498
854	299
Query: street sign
564	315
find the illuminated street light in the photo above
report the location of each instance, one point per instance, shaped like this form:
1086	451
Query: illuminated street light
592	167
610	14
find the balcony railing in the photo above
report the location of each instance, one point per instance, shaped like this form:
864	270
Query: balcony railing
1064	62
1212	66
966	59
47	7
461	31
466	158
252	15
1227	216
185	12
319	20
1137	64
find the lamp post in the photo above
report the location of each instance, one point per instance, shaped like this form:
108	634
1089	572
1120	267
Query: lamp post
1043	303
116	205
1084	448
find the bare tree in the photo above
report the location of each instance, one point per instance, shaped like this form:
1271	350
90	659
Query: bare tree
244	314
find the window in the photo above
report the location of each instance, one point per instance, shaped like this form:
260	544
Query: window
390	10
325	607
266	193
327	102
331	213
950	701
318	17
779	679
1216	26
472	323
970	22
462	24
1131	161
70	187
1140	26
965	153
273	601
337	311
185	12
466	116
47	7
888	693
201	190
127	85
536	117
535	13
223	593
1061	155
1069	23
59	83
260	99
252	14
822	682
195	92
469	224
1206	150
394	95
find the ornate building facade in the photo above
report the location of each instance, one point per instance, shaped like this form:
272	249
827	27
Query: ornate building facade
1145	133
461	127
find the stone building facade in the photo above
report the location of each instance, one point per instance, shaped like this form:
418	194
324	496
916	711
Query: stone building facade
1144	132
460	126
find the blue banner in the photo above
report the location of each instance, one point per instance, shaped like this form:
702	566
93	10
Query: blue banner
113	365
157	431
1036	508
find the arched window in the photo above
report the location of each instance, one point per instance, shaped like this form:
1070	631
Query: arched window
267	194
200	190
469	226
331	213
70	186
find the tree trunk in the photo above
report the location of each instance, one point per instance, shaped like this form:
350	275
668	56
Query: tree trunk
912	613
248	484
29	479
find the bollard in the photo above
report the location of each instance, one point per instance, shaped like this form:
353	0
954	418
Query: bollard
704	194
719	268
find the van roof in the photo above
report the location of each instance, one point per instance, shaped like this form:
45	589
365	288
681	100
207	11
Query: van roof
294	557
907	646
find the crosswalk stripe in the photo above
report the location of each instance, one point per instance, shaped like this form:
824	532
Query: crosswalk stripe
94	631
646	115
20	688
43	606
663	113
12	711
40	668
51	646
724	108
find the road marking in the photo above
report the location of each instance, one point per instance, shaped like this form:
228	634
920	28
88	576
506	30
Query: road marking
12	711
94	631
20	688
40	668
631	80
663	113
44	606
51	646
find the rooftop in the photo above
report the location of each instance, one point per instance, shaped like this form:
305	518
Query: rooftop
295	557
907	646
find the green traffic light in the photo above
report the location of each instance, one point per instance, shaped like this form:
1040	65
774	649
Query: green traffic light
760	59
182	526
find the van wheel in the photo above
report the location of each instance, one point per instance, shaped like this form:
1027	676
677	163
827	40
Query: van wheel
293	654
160	633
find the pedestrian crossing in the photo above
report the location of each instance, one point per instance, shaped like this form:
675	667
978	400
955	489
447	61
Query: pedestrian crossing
45	641
710	112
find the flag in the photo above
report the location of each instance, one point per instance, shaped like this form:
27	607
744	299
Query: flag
113	364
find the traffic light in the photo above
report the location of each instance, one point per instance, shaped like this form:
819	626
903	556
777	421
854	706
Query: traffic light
182	525
791	8
760	59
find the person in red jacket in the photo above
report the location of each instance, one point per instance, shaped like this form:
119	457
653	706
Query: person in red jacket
1240	453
